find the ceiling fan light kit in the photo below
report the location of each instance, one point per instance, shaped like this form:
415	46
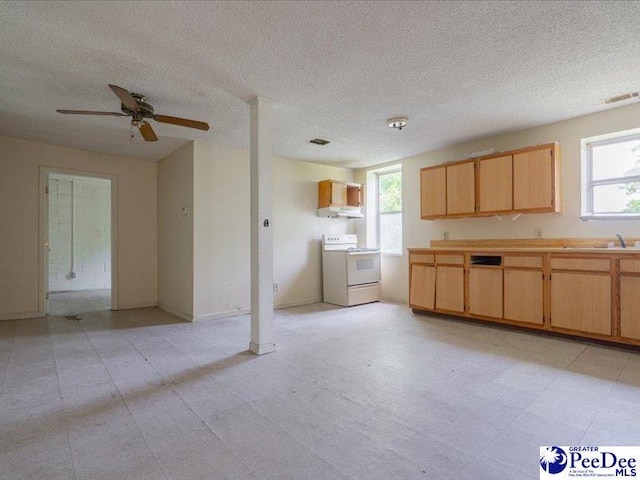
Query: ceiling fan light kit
397	122
135	105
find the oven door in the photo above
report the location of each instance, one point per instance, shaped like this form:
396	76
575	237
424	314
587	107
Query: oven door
363	267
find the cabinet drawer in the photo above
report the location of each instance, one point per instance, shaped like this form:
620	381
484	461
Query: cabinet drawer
421	258
628	265
450	259
584	264
523	262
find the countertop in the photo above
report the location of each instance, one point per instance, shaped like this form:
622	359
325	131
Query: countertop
570	250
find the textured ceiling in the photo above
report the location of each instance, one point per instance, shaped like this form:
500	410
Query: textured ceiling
334	70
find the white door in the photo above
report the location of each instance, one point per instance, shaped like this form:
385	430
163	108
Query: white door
363	267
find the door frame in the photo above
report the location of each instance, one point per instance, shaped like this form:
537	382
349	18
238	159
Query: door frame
43	232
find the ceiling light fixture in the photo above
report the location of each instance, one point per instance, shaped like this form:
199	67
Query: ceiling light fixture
319	141
619	98
398	122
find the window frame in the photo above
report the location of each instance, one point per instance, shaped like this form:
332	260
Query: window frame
588	183
378	174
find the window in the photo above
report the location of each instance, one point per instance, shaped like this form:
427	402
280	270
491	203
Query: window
612	180
390	211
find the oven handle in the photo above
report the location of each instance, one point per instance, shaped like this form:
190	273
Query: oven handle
362	253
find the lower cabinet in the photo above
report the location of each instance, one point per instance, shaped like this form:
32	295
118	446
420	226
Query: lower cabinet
581	302
630	307
450	288
523	296
423	286
485	292
593	295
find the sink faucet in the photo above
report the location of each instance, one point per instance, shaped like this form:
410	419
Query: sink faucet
623	244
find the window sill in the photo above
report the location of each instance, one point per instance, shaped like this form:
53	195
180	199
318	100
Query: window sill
610	216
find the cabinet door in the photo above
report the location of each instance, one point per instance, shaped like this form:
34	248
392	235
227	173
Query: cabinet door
485	292
581	301
630	307
423	286
523	296
433	192
534	180
461	191
495	184
338	193
450	288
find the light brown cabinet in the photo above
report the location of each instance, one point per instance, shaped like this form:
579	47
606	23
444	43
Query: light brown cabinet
518	181
433	192
423	286
588	294
339	194
523	300
436	282
495	184
535	186
461	197
630	298
450	288
581	301
339	199
485	292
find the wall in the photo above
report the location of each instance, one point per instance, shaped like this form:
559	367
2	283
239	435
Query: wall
175	232
79	233
418	233
20	162
222	230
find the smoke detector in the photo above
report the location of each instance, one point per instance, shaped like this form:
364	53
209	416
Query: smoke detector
397	122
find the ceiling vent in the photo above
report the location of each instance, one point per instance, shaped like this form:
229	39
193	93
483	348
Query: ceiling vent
319	141
619	98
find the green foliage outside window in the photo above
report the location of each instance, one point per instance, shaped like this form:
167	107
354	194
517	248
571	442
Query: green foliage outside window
632	188
390	192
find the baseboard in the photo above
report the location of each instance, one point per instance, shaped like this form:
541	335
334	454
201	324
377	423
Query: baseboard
387	298
297	303
19	316
182	315
138	305
229	313
247	310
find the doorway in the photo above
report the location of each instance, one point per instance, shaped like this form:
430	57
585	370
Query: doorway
78	261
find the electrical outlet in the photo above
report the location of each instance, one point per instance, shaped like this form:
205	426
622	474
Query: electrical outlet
275	287
537	232
445	235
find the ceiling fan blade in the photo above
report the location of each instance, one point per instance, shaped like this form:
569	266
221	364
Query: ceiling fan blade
183	122
126	98
147	132
91	112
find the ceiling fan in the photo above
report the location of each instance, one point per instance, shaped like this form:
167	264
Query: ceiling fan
135	106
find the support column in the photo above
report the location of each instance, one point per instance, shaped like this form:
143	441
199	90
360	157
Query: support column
261	228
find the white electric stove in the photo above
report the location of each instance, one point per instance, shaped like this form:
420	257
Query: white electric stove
350	275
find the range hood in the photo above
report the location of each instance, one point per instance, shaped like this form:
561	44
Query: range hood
343	211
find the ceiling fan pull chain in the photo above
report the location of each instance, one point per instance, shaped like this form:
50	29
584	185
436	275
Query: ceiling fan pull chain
130	133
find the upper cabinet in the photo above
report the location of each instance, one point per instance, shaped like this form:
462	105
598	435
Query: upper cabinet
461	192
495	184
536	181
339	199
433	192
519	181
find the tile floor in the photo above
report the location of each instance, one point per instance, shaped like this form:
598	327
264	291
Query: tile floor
76	302
370	392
